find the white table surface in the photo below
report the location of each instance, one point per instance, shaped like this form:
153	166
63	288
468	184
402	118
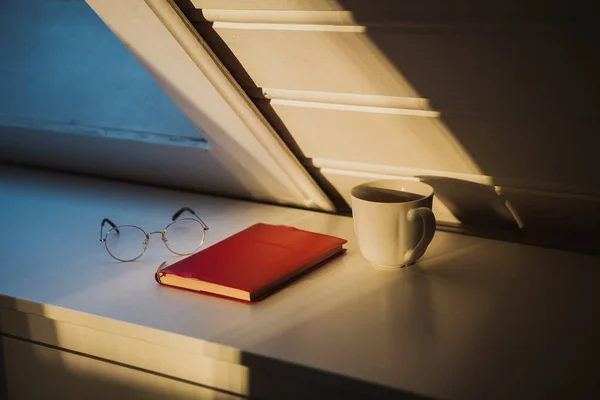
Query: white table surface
474	318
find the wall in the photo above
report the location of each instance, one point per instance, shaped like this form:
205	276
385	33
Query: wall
493	105
61	66
73	98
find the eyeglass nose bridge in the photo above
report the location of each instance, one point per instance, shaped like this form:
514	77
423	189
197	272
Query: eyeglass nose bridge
161	233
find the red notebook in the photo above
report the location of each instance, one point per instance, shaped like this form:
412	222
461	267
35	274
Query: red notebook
251	263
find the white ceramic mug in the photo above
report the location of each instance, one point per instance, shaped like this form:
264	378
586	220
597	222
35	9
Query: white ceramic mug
393	221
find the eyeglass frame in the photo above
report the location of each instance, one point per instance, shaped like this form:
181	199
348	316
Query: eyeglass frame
115	227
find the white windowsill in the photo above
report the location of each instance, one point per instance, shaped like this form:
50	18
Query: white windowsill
475	317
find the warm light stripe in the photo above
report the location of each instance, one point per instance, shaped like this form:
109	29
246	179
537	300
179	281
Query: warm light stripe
346	107
291	27
354	99
363	174
276	17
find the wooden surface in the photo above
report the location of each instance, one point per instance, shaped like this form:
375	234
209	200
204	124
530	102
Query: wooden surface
474	318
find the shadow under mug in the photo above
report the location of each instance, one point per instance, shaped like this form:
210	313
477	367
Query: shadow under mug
393	221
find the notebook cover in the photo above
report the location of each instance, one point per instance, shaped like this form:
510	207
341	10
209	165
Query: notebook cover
256	257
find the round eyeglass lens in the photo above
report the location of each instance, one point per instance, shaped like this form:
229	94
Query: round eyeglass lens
126	242
184	236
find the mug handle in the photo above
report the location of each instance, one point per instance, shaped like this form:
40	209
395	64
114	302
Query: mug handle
428	231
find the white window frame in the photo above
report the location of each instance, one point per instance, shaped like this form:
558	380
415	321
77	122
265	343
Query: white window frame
166	44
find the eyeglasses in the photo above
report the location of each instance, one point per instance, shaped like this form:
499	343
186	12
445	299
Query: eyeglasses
129	242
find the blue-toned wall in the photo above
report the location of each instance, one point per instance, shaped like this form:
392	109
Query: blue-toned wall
60	63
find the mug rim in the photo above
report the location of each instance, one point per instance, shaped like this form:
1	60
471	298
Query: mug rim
382	182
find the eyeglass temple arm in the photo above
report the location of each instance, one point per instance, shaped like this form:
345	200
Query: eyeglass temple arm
106	221
183	209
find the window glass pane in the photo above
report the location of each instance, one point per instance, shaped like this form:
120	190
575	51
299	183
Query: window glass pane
60	64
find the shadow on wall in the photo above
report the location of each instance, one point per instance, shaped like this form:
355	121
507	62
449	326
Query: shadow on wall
475	205
515	84
509	88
